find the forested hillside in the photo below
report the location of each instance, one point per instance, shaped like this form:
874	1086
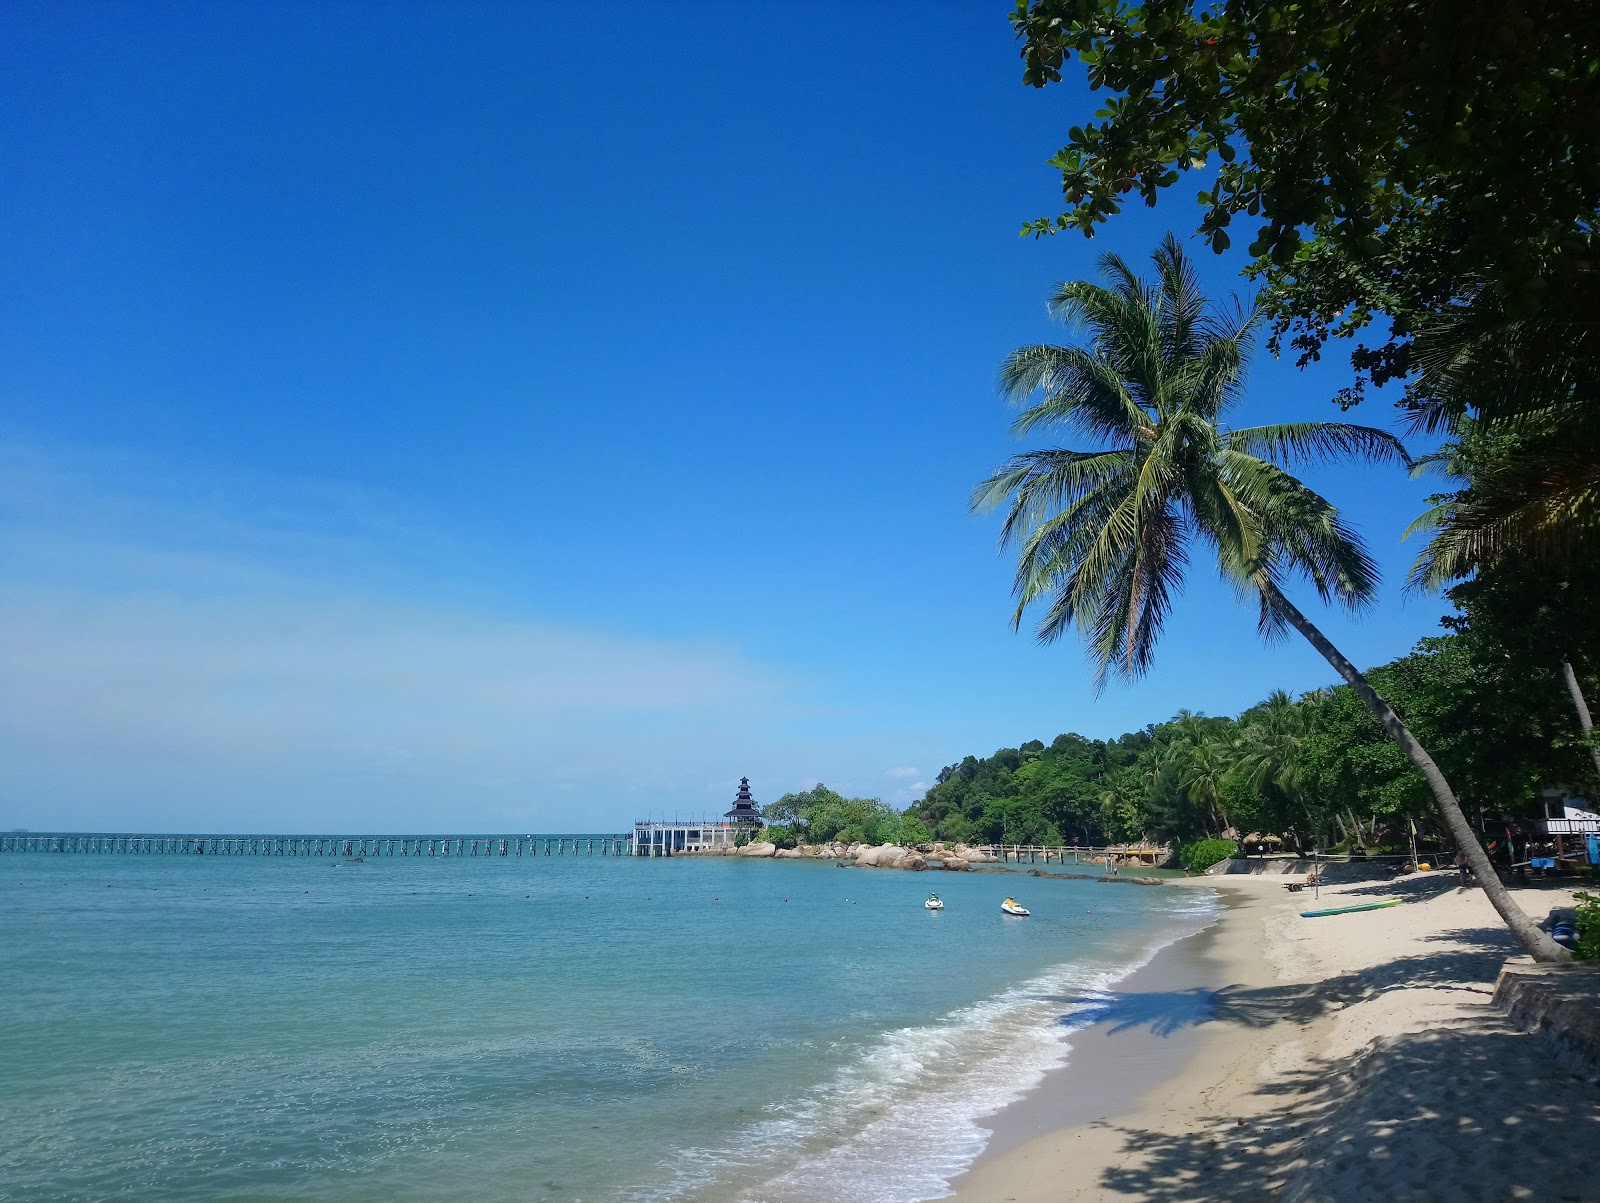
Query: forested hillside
1488	698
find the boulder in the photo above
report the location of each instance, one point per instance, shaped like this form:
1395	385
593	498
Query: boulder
788	853
955	864
759	849
882	857
912	861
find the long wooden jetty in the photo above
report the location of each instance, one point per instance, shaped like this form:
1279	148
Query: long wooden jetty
335	846
1148	855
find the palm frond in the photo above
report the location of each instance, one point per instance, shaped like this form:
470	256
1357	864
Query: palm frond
1303	531
1122	326
1082	392
1318	442
1039	483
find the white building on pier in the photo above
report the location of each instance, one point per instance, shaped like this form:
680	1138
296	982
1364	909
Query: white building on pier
652	838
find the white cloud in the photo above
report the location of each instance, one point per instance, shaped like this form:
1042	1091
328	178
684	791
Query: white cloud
902	772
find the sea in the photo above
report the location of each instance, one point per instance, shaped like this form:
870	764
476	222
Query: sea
534	1028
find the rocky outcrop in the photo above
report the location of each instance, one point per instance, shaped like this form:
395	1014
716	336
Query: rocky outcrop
911	860
975	856
788	854
880	857
759	849
956	864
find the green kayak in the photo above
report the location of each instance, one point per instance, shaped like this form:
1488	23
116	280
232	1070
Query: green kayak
1345	910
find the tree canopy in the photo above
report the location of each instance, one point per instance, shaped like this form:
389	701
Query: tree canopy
1317	770
1391	156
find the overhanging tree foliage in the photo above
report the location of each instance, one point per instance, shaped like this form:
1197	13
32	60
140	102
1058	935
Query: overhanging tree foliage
1390	157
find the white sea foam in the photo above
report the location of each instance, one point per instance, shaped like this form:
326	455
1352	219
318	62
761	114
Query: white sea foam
897	1123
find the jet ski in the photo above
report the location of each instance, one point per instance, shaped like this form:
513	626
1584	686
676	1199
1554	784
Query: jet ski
934	903
1012	907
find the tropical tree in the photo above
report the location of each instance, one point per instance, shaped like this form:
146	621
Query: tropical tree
1530	587
1205	760
1104	535
1267	755
1522	399
1392	157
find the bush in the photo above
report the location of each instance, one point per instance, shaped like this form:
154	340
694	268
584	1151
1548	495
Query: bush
1586	908
782	835
955	828
912	831
1202	854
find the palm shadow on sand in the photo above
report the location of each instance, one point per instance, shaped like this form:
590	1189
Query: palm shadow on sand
1420	1117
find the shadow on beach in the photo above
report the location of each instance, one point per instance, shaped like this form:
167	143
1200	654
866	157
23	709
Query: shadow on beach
1472	1109
1165	1012
1470	1112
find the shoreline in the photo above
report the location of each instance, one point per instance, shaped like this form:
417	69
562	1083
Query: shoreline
1151	1051
1123	1064
1269	1056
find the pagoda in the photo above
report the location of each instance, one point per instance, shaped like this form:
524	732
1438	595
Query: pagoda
745	811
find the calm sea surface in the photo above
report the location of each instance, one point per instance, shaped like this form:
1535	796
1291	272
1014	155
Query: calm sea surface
561	1028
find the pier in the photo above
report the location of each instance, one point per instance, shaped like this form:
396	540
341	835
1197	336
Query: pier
335	846
1119	854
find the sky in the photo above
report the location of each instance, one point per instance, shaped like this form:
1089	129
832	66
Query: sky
536	417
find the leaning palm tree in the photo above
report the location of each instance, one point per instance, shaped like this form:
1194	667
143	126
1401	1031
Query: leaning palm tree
1104	535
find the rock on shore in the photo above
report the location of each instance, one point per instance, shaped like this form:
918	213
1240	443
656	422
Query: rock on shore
958	859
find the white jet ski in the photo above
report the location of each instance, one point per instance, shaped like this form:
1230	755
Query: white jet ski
1012	907
934	903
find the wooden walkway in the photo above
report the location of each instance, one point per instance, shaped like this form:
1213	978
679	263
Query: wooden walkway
1031	854
349	846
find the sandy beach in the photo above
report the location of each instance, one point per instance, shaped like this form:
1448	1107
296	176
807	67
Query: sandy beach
1349	1057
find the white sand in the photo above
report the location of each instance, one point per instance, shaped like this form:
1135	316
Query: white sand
1351	1057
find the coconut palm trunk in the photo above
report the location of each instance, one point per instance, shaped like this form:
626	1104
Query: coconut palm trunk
1528	933
1581	705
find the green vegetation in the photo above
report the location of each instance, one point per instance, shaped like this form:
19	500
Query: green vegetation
1319	771
1202	854
1427	172
1104	534
818	815
1586	908
1392	157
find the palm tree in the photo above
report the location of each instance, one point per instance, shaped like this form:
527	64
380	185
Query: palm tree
1205	766
1104	535
1268	749
1450	553
1525	386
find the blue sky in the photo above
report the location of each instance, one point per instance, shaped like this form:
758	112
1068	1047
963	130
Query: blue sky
520	417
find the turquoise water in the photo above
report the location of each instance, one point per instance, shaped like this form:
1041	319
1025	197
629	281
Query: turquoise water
562	1028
